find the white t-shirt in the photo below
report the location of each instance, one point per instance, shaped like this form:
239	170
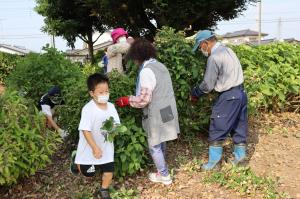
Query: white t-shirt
46	109
92	118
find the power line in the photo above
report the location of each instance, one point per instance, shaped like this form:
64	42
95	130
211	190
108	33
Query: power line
22	35
45	36
20	28
263	21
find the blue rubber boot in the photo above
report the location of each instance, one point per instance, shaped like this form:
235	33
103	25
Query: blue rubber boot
239	153
215	155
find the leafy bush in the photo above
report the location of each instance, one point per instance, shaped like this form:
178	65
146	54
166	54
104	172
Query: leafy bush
75	96
272	74
37	73
7	64
130	143
98	56
25	142
186	69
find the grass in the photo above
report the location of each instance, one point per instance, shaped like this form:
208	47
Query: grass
122	193
244	181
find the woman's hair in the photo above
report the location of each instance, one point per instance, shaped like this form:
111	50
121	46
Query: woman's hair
141	50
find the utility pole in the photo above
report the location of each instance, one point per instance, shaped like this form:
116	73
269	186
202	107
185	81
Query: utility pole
259	22
1	28
279	29
52	41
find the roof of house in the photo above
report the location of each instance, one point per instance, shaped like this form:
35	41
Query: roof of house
241	33
19	49
290	40
267	41
84	51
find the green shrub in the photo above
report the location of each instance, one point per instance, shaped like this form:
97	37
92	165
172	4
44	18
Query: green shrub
75	96
186	69
98	56
89	69
25	142
37	73
130	143
7	64
272	74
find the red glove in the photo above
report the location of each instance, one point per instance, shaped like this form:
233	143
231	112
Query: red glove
193	99
122	101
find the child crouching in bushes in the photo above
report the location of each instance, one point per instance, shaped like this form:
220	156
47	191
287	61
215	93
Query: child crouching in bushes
93	152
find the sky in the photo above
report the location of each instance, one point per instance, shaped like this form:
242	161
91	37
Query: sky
21	25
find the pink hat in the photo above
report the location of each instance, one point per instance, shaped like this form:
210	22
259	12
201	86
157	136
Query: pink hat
118	32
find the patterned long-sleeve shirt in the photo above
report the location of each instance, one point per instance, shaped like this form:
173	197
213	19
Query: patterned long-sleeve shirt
147	85
141	100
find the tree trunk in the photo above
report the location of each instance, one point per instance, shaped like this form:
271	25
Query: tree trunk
91	47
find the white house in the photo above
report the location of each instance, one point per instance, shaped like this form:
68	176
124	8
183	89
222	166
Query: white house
241	37
18	50
82	55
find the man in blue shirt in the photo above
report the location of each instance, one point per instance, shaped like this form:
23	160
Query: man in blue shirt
229	114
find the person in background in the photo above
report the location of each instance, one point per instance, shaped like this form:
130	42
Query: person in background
105	61
224	74
47	105
155	95
117	50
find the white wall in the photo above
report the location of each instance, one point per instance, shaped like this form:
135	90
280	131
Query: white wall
5	50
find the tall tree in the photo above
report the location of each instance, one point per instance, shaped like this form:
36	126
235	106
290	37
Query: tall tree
189	15
73	18
81	18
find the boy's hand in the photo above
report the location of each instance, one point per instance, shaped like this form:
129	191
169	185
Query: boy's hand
122	101
97	152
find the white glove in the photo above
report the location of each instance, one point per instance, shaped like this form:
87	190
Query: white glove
63	134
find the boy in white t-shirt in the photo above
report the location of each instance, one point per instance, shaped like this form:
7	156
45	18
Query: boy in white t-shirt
93	152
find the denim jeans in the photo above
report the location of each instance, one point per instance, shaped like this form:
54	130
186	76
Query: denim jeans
158	154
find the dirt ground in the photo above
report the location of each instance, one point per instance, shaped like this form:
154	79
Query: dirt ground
273	150
277	153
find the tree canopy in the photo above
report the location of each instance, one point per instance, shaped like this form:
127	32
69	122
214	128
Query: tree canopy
188	15
71	19
81	18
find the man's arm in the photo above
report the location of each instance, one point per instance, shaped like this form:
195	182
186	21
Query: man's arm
209	81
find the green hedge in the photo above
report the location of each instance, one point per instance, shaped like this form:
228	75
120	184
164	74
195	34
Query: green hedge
37	73
7	64
272	75
25	142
